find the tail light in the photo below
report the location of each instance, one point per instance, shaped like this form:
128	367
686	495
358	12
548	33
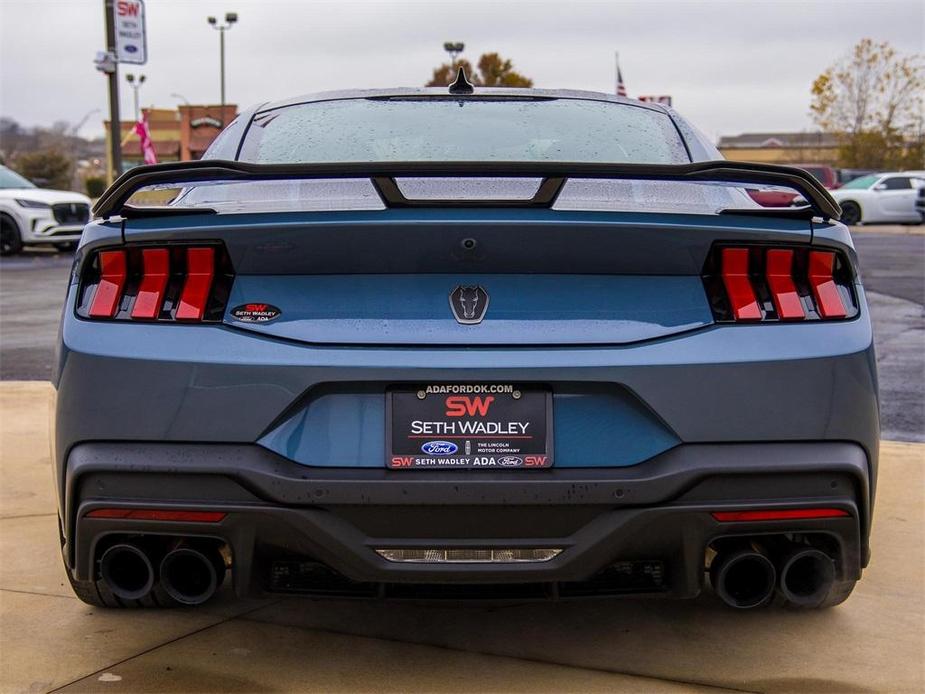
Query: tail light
761	283
779	514
188	283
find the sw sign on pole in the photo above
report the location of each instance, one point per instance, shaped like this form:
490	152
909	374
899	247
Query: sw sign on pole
129	20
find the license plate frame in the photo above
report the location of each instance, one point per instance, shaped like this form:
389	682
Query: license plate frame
492	416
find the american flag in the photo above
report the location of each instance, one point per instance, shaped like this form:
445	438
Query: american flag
621	88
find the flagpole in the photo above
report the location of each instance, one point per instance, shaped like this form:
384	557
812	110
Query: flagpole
616	72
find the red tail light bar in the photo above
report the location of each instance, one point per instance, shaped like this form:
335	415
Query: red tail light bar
187	283
111	282
778	514
159	515
751	283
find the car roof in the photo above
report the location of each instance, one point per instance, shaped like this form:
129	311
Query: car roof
443	93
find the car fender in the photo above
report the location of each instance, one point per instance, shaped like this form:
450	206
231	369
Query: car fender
8	209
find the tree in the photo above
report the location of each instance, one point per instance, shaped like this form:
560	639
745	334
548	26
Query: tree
49	168
494	71
872	99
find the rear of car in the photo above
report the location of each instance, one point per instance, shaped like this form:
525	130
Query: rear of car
510	343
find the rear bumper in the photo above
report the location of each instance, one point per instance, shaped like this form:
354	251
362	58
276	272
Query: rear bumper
279	511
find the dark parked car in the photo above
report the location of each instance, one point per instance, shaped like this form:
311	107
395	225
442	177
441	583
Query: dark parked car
445	343
826	175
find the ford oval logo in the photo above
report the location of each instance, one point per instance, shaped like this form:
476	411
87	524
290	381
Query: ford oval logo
510	461
130	48
439	448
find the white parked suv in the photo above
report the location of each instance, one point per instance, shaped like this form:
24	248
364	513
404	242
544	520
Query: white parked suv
881	198
31	215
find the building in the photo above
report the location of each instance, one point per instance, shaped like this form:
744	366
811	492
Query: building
781	148
183	134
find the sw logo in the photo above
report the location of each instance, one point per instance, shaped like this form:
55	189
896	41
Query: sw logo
535	460
462	405
401	461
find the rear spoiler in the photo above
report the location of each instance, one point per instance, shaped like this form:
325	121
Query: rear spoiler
383	174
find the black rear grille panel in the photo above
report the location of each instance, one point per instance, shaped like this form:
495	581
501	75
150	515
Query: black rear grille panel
71	213
306	576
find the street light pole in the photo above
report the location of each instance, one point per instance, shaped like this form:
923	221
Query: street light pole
230	19
454	48
221	41
135	87
115	127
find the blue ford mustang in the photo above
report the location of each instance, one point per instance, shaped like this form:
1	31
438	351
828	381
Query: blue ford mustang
464	343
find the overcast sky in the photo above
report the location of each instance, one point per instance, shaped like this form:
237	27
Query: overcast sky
731	67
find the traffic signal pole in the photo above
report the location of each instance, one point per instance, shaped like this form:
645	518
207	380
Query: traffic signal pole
115	127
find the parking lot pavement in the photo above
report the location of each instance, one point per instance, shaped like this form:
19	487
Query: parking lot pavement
49	639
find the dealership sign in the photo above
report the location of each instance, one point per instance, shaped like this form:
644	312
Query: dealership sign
662	99
129	22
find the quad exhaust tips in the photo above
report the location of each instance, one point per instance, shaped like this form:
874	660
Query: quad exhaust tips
191	576
806	576
127	571
746	577
743	578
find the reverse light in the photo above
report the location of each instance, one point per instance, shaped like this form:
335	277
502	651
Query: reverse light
469	555
779	514
188	282
757	283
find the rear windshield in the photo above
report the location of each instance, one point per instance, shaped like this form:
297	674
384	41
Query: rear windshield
862	182
483	129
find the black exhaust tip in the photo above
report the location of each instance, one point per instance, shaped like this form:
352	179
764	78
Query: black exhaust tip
743	579
127	571
806	577
190	576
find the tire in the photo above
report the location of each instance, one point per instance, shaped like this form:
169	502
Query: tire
10	238
850	213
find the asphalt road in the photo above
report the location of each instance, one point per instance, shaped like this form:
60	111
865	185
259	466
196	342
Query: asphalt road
892	266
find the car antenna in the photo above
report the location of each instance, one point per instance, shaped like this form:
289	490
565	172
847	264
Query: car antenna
461	85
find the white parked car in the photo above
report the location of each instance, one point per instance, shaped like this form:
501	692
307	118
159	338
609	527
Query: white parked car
31	215
881	198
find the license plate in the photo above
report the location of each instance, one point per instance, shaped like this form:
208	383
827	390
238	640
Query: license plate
465	425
